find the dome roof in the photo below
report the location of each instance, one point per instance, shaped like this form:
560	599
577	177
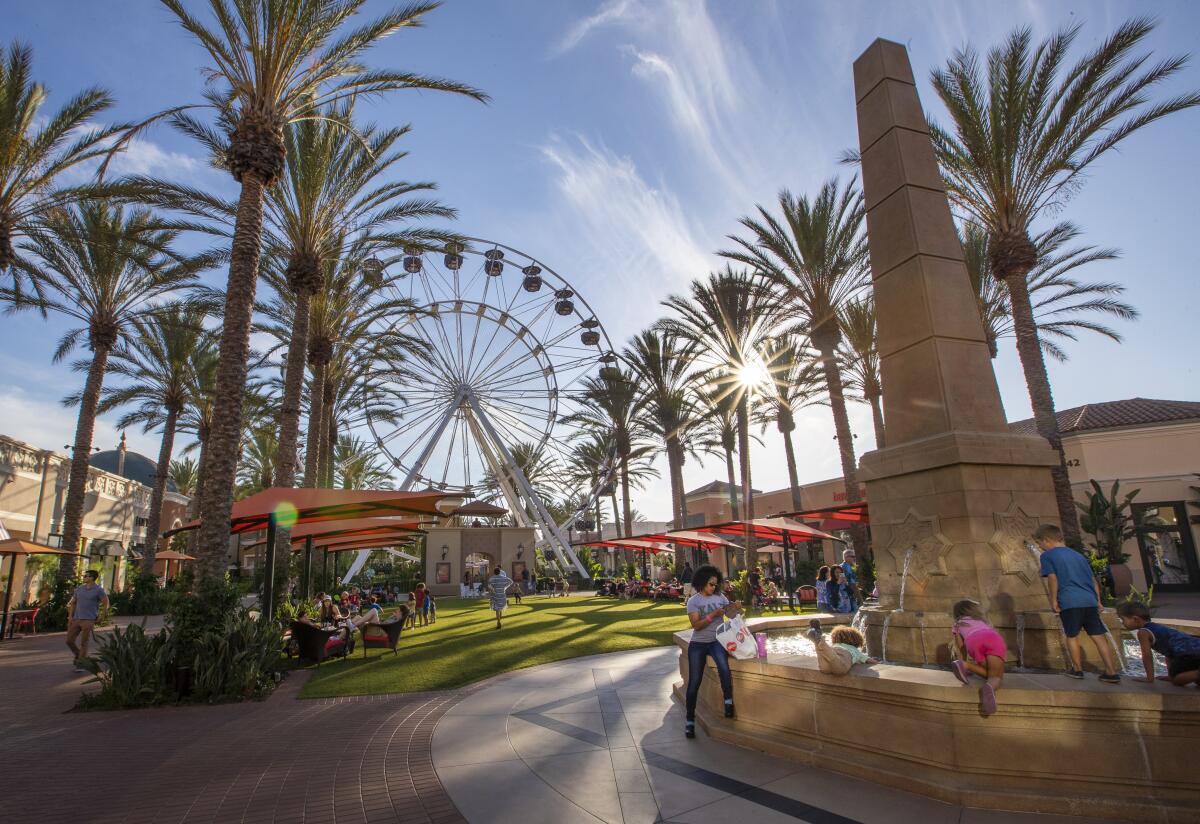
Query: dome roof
137	467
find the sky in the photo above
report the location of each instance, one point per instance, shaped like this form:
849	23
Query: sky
623	141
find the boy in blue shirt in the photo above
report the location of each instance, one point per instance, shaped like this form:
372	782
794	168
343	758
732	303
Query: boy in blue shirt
1075	596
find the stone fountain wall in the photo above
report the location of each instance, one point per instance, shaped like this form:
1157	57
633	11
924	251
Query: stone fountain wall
954	493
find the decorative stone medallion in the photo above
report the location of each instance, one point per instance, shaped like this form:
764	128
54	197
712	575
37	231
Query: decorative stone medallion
1010	542
923	536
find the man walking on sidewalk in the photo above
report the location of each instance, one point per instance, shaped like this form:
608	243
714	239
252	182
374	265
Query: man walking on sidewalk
82	612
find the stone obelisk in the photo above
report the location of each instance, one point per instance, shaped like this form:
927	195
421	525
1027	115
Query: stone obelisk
954	495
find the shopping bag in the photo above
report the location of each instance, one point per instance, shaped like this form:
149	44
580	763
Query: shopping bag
737	640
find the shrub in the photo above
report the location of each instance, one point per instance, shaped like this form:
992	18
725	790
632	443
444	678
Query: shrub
236	662
132	668
53	615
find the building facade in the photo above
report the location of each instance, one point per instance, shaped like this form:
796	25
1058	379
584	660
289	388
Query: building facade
33	492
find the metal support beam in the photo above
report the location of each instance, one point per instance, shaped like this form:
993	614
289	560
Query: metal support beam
269	570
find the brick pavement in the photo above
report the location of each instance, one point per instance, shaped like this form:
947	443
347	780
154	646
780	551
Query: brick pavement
329	761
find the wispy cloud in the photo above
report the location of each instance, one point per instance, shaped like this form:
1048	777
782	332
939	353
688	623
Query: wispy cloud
615	11
637	229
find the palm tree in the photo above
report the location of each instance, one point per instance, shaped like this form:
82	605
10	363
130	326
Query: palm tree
817	258
534	465
857	319
587	467
184	474
1058	299
158	364
332	185
662	365
613	405
1021	138
275	62
105	268
35	152
729	317
358	465
717	434
793	380
256	469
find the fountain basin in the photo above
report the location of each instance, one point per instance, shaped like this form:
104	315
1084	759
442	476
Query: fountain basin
1055	746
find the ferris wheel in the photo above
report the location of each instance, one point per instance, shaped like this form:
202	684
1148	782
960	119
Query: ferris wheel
484	408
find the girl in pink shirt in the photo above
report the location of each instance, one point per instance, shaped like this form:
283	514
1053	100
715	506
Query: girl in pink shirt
981	651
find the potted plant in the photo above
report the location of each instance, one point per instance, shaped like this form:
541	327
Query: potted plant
1109	520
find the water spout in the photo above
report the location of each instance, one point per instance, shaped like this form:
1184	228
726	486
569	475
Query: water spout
887	620
1120	659
904	576
1020	619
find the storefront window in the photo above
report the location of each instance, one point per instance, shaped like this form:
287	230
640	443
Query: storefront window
1165	541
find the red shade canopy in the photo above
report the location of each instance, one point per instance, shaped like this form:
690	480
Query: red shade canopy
768	529
313	505
834	517
354	544
349	528
627	543
690	538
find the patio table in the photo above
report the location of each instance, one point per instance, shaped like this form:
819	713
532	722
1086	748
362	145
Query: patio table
13	615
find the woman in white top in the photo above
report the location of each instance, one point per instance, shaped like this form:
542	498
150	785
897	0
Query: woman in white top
707	609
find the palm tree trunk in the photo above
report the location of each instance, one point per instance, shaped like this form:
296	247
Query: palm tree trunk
731	482
1042	401
316	403
216	497
80	456
329	423
616	514
877	419
743	422
154	518
676	482
793	475
194	506
293	391
626	505
841	422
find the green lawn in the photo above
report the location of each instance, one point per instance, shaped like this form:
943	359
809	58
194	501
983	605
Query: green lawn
464	646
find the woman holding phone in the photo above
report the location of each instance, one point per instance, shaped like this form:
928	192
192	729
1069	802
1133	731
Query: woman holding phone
707	609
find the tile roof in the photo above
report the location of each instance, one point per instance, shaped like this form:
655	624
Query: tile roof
1109	414
717	487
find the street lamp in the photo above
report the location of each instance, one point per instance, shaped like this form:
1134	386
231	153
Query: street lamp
445	549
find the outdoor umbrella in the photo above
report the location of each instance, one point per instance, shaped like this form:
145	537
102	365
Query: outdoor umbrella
644	546
15	547
691	538
170	555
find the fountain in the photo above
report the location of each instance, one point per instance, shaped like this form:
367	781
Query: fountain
954	496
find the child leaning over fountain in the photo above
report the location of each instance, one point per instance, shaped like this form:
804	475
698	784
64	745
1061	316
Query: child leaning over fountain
1181	650
981	650
843	650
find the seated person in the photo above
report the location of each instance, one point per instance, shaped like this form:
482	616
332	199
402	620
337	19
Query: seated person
328	612
340	643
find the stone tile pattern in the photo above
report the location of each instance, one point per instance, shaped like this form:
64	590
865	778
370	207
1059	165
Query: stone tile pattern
282	760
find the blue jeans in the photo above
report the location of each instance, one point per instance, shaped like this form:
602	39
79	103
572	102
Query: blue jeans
697	652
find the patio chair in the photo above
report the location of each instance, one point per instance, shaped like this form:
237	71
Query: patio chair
385	635
27	620
311	641
807	596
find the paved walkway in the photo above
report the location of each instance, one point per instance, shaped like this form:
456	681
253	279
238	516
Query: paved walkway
593	739
599	739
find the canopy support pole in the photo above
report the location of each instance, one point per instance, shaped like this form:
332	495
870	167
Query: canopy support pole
269	571
308	548
12	573
787	571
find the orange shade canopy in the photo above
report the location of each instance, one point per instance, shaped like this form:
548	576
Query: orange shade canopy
835	517
334	545
304	506
690	538
172	555
15	546
627	543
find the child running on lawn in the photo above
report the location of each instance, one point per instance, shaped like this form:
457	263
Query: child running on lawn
981	651
843	650
1181	650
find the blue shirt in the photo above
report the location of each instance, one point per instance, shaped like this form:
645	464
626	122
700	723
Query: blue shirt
848	569
87	602
1076	586
1171	642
